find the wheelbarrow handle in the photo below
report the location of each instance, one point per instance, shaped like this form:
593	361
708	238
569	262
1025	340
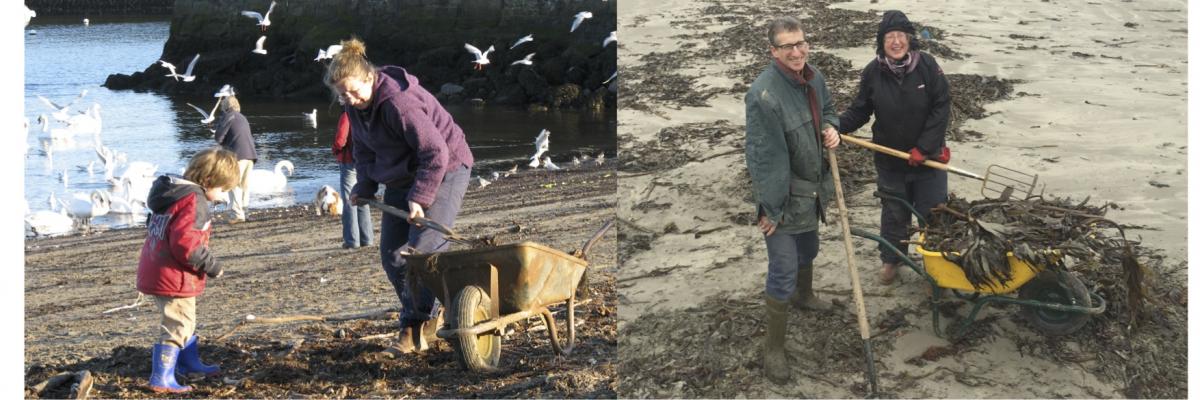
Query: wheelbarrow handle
595	237
398	212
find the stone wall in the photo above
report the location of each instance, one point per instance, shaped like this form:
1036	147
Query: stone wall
424	37
88	8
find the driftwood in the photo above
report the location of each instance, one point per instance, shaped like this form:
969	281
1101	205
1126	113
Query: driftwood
253	319
135	304
81	383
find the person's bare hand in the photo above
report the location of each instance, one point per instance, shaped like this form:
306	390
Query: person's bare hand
765	225
832	139
415	211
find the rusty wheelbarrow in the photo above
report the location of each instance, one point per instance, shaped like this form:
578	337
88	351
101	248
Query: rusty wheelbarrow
489	287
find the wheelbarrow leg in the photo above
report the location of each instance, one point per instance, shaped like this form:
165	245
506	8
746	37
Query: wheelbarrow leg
552	329
494	291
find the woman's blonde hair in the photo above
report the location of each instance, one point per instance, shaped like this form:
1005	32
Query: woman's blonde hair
213	168
230	103
351	62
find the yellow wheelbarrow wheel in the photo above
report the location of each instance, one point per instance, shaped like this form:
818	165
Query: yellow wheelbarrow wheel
475	352
1047	288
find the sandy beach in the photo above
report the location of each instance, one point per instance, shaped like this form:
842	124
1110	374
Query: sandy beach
1095	104
289	262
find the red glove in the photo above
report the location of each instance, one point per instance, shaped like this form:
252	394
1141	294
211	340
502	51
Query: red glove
945	156
915	157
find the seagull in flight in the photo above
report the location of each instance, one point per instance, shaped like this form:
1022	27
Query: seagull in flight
60	111
263	20
258	49
579	19
225	91
208	116
612	37
323	54
187	75
542	145
614	75
528	60
480	56
527	38
312	118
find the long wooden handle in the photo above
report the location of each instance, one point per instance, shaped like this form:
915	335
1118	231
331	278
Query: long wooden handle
900	154
863	326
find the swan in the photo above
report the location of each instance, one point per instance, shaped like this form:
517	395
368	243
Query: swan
48	223
84	206
264	181
258	46
263	20
88	122
135	181
125	204
528	60
579	19
29	14
527	38
187	75
481	57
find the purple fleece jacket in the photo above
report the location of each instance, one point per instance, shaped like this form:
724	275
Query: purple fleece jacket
405	139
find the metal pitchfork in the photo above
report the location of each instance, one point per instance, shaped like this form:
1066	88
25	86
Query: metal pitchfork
1000	182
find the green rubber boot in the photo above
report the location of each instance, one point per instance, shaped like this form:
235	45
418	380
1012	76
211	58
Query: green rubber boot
775	365
804	298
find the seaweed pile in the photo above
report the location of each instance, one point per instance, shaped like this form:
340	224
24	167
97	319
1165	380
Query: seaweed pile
1043	232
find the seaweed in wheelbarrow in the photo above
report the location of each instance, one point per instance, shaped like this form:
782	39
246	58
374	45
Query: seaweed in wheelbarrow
978	235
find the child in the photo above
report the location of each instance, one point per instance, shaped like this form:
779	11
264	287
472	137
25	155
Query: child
175	260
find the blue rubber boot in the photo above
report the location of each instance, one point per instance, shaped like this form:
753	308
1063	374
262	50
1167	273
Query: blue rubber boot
189	360
162	379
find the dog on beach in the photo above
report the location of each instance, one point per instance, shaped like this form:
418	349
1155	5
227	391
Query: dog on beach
328	201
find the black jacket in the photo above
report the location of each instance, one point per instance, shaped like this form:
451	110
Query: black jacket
910	112
233	133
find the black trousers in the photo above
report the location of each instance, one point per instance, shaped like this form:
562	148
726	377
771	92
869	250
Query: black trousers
923	189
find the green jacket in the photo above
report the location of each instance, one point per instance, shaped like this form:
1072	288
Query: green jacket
790	180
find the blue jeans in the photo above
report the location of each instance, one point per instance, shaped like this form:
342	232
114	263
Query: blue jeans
786	255
923	189
357	228
397	235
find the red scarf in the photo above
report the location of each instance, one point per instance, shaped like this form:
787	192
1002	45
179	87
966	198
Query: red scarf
803	78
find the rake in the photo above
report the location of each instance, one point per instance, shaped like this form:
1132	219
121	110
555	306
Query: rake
1000	182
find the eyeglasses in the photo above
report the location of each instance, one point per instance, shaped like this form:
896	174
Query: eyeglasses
794	46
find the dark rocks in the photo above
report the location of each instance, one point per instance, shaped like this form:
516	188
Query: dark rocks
425	39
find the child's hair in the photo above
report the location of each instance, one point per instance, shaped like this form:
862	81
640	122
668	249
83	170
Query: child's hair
351	62
213	168
230	103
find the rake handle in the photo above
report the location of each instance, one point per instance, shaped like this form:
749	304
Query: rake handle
900	154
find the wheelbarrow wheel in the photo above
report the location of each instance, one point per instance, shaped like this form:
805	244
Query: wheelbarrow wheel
475	352
1047	288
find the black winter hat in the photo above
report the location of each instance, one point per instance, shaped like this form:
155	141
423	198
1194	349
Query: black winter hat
895	20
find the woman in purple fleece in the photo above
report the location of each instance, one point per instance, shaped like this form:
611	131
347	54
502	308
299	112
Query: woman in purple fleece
404	139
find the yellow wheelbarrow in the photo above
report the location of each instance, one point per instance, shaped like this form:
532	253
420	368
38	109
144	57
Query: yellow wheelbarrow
489	287
1053	300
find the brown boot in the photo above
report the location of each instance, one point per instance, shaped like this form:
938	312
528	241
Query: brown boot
410	340
803	297
775	364
429	331
888	274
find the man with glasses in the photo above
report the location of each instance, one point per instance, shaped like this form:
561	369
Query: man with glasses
789	123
